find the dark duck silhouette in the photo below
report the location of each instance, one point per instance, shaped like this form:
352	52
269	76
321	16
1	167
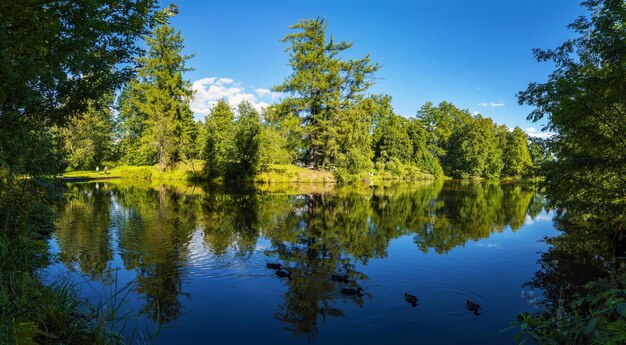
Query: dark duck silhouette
411	299
284	274
352	291
274	266
340	278
473	307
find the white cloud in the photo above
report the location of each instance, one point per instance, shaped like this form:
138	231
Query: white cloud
210	90
533	132
489	245
266	92
492	104
263	92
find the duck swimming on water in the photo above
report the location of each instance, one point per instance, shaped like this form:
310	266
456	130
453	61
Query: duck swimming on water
411	299
274	266
352	292
473	307
340	278
284	274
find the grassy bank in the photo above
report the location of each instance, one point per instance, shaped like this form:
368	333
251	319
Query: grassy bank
283	173
180	171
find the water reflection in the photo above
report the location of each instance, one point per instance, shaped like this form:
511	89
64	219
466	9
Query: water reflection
580	254
312	233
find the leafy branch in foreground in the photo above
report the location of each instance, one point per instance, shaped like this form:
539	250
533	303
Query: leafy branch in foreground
597	316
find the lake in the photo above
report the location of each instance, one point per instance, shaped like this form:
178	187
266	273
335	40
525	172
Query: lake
190	262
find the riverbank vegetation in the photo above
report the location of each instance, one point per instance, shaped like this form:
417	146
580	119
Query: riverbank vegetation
584	101
59	59
325	120
77	91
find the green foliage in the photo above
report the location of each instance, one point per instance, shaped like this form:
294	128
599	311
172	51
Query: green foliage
597	316
288	126
441	122
516	155
324	91
247	140
473	150
160	98
58	60
130	129
272	148
354	140
539	151
88	138
219	144
393	141
584	100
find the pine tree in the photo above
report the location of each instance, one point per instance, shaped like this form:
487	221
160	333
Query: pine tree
130	129
322	88
163	95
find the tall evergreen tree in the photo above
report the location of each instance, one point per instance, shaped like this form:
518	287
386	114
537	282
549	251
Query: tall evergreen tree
130	129
321	86
162	94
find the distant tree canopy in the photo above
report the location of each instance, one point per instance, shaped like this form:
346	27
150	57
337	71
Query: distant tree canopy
326	119
88	138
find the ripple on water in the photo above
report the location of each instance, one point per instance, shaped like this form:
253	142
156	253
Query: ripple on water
204	262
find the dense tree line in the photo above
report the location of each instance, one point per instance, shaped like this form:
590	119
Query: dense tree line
326	120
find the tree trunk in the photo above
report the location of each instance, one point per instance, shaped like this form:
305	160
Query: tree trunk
162	161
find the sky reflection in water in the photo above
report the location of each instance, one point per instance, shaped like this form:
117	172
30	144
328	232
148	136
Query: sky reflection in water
196	258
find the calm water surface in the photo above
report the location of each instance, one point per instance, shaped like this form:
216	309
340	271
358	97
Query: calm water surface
194	260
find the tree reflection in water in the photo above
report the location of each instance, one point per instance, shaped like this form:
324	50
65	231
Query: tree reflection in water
314	233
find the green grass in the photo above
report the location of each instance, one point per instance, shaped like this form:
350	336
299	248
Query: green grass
180	171
275	173
287	173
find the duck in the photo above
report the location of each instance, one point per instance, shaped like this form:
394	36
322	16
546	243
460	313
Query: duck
473	307
352	291
340	278
284	274
411	299
274	266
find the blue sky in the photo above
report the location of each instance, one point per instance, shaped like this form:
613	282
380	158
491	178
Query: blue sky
475	54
